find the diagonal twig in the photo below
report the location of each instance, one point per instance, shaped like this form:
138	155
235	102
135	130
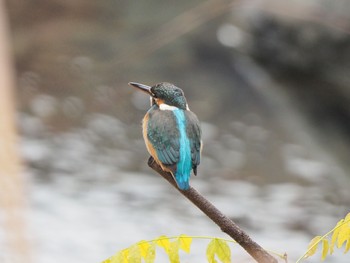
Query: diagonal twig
225	223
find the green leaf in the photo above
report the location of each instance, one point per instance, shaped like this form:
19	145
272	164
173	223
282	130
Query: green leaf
219	248
312	247
163	241
325	248
185	243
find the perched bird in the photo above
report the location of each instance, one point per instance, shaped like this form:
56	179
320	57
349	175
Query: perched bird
171	131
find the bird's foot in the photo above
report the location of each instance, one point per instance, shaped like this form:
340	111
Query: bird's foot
151	161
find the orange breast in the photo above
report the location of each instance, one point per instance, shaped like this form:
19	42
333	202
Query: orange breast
149	145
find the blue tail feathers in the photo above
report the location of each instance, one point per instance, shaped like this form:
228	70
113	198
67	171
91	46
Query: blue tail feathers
184	166
183	181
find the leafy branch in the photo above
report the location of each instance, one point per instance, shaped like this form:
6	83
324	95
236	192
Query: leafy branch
341	235
218	248
225	223
146	250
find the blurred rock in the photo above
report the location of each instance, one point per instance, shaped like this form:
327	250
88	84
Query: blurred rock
305	48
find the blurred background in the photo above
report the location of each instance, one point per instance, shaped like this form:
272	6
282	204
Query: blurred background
270	82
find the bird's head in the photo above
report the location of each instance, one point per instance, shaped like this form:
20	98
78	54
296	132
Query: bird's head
164	94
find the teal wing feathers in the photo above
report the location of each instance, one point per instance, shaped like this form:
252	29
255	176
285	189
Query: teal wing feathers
194	134
162	134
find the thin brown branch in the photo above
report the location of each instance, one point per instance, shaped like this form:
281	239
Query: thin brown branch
225	223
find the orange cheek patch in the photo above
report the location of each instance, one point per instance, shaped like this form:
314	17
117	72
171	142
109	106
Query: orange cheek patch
159	101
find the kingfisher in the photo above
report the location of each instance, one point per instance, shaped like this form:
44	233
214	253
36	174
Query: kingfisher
171	131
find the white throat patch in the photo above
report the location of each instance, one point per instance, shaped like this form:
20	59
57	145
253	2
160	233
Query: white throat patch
164	106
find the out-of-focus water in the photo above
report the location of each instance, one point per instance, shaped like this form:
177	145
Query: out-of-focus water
90	191
92	194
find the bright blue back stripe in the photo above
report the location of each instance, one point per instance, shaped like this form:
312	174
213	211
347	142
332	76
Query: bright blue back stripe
184	165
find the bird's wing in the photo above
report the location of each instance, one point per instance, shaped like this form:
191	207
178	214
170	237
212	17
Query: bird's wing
162	134
194	133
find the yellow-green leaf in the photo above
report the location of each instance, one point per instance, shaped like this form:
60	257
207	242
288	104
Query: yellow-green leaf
335	235
173	252
117	258
347	247
223	251
185	243
120	257
325	248
312	248
211	251
143	246
344	233
108	260
347	218
219	248
134	255
151	253
163	241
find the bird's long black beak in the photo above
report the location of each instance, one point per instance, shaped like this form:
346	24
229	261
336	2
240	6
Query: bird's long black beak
141	87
